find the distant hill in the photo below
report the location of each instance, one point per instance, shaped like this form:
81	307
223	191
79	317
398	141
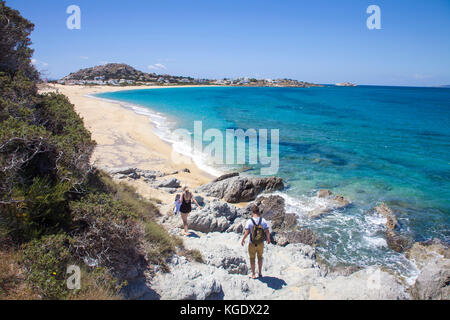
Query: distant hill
123	74
111	71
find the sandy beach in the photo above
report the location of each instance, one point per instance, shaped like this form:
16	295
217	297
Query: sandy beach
126	139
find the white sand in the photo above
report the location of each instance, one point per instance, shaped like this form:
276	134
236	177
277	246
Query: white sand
126	139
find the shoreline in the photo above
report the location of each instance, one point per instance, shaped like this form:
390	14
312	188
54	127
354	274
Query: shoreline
128	139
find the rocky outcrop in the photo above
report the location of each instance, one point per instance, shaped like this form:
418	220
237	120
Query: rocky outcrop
284	225
328	203
289	272
387	212
433	261
371	283
133	173
213	216
394	240
226	176
241	189
300	235
169	183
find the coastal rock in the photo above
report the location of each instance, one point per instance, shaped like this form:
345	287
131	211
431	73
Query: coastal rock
201	200
394	240
301	235
368	284
328	203
222	256
289	272
387	212
324	193
241	189
169	183
226	176
214	216
421	253
397	242
185	282
344	270
272	208
433	261
169	190
433	282
284	225
139	289
238	225
133	173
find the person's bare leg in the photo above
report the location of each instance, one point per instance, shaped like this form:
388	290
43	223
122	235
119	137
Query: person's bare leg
260	263
185	223
252	265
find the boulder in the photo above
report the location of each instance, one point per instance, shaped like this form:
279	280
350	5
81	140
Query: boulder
387	212
187	283
214	216
328	203
241	189
200	200
394	240
301	235
424	252
324	193
397	242
272	208
433	282
433	260
169	183
370	283
226	176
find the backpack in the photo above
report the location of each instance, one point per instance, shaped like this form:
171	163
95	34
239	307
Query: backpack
258	234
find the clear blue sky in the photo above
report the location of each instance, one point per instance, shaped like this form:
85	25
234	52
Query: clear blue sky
320	41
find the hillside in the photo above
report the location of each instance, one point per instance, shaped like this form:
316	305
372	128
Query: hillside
123	74
111	71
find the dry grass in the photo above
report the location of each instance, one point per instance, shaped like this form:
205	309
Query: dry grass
93	289
12	278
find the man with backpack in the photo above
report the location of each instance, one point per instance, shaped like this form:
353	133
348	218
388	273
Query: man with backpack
258	230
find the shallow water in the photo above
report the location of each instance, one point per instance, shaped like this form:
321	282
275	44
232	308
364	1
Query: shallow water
371	144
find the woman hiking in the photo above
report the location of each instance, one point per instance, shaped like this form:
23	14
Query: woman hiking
185	208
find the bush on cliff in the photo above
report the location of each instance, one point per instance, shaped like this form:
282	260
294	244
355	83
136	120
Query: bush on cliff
55	209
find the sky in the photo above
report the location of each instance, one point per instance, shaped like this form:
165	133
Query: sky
322	41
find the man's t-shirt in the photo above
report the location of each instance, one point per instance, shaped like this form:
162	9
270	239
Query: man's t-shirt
249	225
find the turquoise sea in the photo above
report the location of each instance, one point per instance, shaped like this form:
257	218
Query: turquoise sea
371	144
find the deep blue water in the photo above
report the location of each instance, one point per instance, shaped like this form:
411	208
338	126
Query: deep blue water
371	144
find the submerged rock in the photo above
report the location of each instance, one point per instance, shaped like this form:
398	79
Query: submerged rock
328	203
324	193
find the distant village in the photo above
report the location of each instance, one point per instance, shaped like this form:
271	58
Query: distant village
190	81
125	75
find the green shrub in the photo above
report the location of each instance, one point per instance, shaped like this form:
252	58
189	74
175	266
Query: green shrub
105	230
46	261
101	182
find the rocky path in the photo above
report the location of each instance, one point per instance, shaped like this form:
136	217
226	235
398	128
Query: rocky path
291	268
